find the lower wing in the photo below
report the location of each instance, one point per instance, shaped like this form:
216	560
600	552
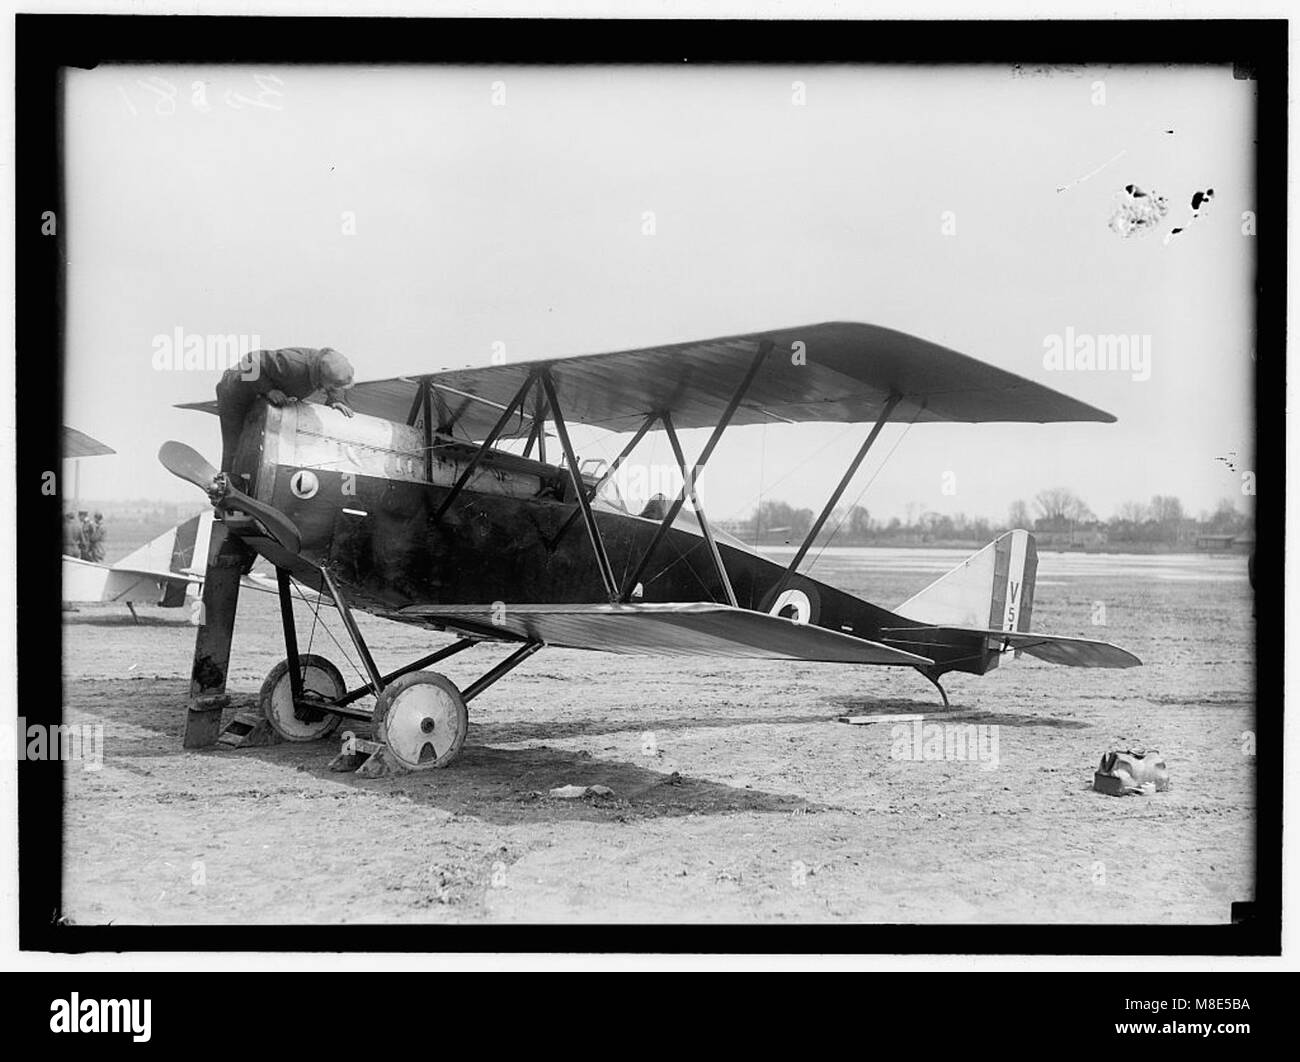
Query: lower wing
673	629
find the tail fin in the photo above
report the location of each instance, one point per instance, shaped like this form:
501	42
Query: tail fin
992	590
991	595
182	549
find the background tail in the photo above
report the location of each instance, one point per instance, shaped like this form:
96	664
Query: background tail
181	550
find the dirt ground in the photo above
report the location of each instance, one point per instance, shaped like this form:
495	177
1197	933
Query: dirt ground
737	797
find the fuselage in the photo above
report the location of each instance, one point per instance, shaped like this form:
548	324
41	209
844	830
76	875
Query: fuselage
365	494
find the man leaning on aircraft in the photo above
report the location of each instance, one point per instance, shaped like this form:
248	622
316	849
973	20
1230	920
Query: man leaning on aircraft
280	376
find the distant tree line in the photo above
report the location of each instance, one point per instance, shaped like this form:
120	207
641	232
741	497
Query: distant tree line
1057	516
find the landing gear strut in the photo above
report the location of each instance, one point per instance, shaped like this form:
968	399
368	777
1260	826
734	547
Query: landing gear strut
419	719
422	719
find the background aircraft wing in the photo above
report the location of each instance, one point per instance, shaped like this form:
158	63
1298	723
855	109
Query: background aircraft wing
834	371
685	629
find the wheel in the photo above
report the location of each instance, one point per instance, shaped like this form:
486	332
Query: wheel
318	676
422	719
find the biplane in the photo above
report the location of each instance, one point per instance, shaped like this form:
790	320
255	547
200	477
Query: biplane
414	510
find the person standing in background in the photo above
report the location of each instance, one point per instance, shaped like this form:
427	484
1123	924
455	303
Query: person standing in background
83	534
71	535
95	539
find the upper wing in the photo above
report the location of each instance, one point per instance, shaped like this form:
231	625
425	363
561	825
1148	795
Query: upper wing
1054	648
685	629
837	371
455	411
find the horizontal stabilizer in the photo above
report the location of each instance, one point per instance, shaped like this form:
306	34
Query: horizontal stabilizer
85	581
670	629
1054	648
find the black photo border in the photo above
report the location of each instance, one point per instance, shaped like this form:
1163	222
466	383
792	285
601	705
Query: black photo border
47	44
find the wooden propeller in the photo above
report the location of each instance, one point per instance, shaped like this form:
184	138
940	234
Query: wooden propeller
188	464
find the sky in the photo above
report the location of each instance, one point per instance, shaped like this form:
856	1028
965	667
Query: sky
426	217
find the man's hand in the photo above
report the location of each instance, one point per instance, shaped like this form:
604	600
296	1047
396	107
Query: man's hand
342	407
276	397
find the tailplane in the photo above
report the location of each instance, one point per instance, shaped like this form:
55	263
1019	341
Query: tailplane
991	595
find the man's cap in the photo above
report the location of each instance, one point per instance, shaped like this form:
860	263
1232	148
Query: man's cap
334	367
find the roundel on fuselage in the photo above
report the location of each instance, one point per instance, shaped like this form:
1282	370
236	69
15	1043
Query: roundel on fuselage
795	605
304	484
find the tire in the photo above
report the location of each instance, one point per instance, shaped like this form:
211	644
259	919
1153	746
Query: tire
422	719
276	698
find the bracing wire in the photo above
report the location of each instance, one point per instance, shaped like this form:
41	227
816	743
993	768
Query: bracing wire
365	679
865	487
767	488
